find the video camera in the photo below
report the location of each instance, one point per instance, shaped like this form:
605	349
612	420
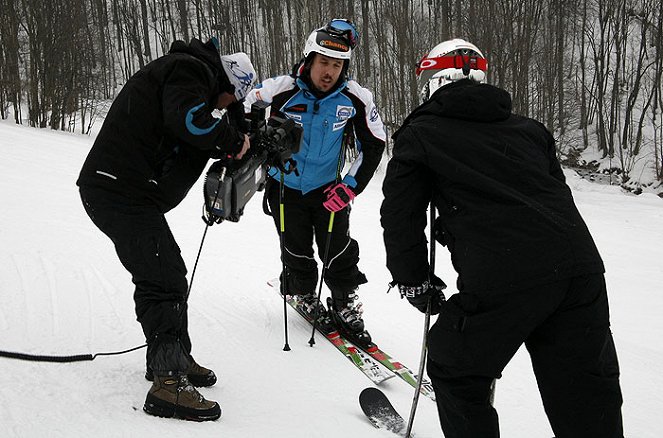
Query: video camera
229	184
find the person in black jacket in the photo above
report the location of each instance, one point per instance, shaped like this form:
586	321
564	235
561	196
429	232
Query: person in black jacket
153	146
528	269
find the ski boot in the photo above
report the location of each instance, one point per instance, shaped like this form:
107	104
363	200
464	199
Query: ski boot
173	396
347	318
311	306
312	309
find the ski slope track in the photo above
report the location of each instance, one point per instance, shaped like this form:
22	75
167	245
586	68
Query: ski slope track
64	292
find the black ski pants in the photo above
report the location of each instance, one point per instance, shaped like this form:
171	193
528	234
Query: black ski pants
147	249
305	218
565	327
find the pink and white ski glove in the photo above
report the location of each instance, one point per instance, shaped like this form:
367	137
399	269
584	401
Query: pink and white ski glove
338	197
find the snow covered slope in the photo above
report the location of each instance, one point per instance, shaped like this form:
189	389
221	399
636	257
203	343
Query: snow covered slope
64	292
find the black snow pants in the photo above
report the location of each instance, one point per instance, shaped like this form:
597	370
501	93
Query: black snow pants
147	249
565	327
305	218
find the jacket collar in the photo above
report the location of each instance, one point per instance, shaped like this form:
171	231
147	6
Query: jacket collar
303	80
465	100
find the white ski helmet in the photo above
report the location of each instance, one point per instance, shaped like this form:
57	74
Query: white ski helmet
336	40
448	62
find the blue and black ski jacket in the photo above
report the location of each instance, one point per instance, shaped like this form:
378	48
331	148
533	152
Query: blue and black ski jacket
325	119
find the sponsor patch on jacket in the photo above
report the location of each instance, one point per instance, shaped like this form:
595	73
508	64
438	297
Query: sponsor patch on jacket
299	108
344	112
339	125
295	117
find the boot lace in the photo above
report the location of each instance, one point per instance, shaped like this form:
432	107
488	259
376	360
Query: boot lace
185	386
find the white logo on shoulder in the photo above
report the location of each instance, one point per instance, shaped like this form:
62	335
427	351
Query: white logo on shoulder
374	115
344	112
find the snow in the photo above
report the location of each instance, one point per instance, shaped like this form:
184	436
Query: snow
64	292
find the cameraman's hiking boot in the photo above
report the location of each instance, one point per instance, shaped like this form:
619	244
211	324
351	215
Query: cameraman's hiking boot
174	396
347	317
199	376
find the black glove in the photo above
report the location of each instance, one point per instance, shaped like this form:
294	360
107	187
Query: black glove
430	290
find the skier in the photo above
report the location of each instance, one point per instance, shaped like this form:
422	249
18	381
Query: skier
332	109
153	146
528	269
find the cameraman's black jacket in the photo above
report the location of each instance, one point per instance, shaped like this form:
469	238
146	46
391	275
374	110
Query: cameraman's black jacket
506	214
159	133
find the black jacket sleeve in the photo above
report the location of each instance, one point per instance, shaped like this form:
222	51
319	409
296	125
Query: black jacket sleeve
188	101
407	189
555	168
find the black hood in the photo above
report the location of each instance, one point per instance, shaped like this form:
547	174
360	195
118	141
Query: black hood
207	52
466	100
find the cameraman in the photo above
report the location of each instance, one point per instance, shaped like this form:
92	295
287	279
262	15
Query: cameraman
153	146
332	110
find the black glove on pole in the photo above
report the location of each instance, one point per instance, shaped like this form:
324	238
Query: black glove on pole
431	291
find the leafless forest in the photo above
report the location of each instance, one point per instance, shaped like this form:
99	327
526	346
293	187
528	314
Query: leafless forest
590	70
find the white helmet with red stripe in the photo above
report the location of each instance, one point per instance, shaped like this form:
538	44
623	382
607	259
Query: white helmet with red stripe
448	62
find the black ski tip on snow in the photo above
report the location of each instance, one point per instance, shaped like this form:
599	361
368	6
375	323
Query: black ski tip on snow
380	412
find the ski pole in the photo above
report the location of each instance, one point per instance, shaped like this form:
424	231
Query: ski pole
209	220
311	341
339	165
284	274
422	359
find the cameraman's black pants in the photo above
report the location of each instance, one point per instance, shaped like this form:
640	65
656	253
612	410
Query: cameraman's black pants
305	219
565	327
146	247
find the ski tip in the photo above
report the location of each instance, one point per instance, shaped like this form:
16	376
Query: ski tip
380	412
367	392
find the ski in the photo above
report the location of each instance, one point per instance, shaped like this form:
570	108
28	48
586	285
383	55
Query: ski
380	412
361	359
392	365
399	369
374	352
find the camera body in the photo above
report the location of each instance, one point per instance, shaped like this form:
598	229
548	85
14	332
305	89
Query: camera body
230	184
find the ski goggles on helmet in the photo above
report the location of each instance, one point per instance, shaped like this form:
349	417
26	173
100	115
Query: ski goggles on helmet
470	62
343	28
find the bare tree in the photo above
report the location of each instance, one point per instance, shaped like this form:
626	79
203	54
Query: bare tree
11	89
590	64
